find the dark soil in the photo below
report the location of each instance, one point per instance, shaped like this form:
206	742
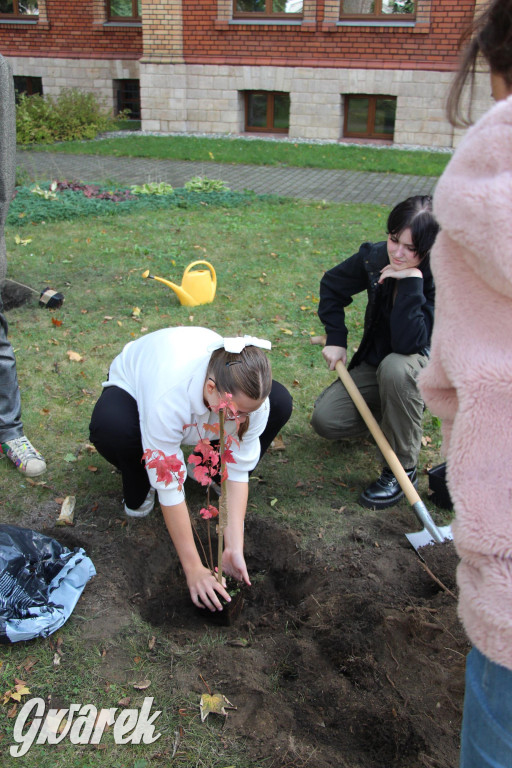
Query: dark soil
350	655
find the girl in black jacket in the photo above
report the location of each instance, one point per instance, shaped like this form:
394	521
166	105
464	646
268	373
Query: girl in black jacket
395	345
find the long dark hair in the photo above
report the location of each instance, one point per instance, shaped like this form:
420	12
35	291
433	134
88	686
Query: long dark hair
415	214
490	35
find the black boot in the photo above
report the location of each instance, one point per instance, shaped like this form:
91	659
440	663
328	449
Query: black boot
386	491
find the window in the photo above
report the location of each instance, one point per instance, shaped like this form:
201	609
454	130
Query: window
123	9
28	85
369	117
127	96
19	8
383	9
267	112
280	8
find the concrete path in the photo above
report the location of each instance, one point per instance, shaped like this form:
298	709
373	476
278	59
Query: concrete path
304	183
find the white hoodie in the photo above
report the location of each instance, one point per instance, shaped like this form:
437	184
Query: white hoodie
165	373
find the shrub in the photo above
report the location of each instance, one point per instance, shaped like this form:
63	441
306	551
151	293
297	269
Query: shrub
204	184
152	188
73	114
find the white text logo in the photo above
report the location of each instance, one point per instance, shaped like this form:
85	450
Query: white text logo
81	724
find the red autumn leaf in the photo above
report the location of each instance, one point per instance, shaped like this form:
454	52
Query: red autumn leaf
227	457
209	512
202	475
168	468
56	322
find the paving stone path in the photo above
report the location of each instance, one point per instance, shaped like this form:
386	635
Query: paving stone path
305	183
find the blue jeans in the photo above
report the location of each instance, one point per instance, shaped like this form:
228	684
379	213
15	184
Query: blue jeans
486	740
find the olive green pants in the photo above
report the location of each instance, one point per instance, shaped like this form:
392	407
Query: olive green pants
392	394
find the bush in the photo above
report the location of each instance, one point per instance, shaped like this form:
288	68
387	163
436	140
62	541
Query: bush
73	114
204	184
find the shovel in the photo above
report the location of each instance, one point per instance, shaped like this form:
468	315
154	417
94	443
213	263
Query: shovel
431	533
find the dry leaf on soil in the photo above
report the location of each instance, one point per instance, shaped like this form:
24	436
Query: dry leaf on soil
215	704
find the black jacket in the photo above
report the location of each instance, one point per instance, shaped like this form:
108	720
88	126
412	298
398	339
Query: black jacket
403	325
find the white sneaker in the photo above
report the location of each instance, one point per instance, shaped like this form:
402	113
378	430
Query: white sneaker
145	508
24	456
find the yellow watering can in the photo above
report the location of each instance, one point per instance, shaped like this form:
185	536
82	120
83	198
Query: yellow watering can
198	286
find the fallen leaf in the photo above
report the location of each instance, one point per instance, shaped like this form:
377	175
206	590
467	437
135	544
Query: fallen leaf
273	502
277	444
124	702
62	725
12	711
151	643
22	240
287	331
56	322
20	690
215	704
142	685
56	659
92	469
74	356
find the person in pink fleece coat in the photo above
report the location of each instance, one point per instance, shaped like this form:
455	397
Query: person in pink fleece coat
468	384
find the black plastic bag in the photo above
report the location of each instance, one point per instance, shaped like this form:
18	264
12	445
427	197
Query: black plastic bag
40	583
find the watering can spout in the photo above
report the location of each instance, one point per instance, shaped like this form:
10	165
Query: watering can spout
198	286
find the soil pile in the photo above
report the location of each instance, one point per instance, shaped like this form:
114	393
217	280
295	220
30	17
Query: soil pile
348	656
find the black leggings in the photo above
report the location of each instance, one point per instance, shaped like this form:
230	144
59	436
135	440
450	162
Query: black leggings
115	432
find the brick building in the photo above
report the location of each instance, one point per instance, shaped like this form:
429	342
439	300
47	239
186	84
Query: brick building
311	69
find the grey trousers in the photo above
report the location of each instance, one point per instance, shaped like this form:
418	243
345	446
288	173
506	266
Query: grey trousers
392	394
10	406
10	409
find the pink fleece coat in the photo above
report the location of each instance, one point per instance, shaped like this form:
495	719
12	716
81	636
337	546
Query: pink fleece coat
468	382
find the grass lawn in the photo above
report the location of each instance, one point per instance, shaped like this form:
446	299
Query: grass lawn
269	256
261	152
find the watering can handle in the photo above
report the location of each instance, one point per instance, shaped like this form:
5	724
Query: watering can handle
201	261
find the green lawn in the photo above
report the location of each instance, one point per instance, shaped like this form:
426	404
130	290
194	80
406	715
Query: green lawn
269	256
261	152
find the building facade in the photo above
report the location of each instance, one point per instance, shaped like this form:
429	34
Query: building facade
374	70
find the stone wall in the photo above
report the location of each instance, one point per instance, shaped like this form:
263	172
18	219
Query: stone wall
93	75
198	98
209	99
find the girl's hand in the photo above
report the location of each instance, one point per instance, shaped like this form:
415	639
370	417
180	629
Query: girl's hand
233	564
204	588
332	354
389	271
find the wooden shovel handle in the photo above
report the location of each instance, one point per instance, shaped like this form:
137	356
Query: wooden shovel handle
370	421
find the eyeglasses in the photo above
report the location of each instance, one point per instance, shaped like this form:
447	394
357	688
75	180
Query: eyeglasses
239	414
